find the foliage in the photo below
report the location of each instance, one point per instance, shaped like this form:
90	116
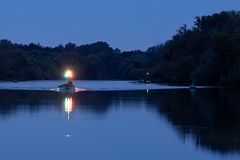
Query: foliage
208	53
92	61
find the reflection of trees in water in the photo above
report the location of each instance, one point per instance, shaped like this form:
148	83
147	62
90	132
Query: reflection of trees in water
101	102
34	101
210	116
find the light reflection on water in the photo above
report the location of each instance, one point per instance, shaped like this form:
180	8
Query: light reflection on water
68	105
204	124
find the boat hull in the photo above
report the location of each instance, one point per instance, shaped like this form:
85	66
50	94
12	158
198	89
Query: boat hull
68	90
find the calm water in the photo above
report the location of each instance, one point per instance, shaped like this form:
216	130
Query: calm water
121	125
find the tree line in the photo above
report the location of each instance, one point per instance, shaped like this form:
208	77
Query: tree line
207	53
91	61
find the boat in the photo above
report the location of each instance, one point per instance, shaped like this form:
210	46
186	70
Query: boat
144	81
193	86
67	87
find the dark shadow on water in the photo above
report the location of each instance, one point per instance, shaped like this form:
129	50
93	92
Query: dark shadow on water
210	116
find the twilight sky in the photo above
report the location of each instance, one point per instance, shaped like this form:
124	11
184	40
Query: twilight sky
124	24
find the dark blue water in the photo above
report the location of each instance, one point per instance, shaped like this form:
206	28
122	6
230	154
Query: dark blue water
138	125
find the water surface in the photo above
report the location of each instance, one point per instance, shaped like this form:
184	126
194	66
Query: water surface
90	85
165	124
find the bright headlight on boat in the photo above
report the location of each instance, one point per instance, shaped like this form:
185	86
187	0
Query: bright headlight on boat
68	74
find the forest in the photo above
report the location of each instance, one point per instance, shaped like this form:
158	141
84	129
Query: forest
207	53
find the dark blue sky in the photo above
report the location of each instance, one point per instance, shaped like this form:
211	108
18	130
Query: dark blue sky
126	24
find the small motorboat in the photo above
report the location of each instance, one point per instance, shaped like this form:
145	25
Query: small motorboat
67	87
193	86
144	81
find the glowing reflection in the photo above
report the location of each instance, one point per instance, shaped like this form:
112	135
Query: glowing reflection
68	104
68	136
